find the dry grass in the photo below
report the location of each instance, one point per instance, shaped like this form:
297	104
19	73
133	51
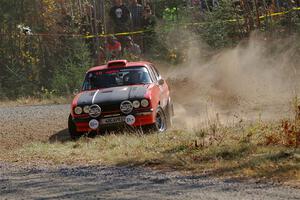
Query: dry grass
28	101
242	151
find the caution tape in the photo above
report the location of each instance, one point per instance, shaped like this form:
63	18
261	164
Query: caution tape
279	13
117	34
86	36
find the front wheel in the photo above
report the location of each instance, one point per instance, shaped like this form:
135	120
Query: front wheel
74	134
160	124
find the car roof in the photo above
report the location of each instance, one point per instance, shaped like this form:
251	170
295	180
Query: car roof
120	64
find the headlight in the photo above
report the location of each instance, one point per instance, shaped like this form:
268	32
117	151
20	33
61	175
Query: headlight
86	109
126	107
78	110
145	103
136	104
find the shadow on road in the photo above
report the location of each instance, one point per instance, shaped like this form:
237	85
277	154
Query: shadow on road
61	136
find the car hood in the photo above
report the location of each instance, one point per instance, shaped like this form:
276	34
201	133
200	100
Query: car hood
115	94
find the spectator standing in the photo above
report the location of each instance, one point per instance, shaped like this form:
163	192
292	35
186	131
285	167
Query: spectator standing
208	5
120	16
136	11
111	51
113	48
149	22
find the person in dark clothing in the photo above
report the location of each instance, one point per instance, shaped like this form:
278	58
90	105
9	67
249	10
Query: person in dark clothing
136	11
208	5
149	22
120	16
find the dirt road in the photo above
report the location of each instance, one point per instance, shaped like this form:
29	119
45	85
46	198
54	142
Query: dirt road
95	182
22	125
25	124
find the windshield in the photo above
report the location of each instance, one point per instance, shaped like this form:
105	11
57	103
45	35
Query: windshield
116	77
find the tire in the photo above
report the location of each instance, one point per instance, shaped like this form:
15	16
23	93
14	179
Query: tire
160	125
74	134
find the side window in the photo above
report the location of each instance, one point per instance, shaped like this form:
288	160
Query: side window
152	72
156	74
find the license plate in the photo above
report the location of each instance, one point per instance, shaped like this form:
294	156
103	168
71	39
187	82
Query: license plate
112	120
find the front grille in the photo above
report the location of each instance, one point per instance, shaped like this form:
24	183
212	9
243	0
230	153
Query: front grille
110	107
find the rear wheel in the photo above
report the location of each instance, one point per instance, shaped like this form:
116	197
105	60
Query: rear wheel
74	134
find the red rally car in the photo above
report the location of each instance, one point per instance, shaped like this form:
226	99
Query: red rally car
119	94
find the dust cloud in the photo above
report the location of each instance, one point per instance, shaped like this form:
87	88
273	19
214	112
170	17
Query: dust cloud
256	80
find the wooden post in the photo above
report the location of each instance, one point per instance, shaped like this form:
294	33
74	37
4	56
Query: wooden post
257	13
96	30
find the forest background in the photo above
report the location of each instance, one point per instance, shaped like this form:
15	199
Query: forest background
46	46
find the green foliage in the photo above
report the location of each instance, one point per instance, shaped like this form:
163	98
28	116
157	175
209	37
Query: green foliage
57	63
30	62
170	14
282	26
220	27
168	8
183	24
218	30
73	63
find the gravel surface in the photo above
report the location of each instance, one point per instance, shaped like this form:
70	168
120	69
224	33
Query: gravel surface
24	124
95	182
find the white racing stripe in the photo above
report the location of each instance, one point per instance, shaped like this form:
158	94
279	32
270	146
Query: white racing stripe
94	96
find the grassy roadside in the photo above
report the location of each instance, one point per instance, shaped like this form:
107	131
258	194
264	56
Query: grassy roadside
258	150
29	101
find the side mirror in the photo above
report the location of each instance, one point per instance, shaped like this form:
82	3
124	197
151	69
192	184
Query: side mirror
75	92
161	81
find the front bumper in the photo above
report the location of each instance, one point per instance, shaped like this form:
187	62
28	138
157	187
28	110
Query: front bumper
142	118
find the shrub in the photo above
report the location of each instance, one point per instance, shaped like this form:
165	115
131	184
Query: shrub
70	71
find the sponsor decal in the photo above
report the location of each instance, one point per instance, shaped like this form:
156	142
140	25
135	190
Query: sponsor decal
130	120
